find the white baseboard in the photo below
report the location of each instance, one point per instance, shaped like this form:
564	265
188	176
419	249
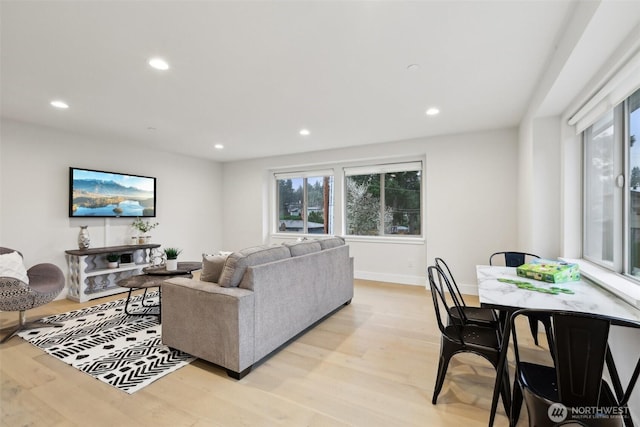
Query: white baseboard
467	289
391	278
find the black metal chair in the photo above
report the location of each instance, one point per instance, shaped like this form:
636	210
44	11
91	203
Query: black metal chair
512	258
516	259
576	380
475	315
462	337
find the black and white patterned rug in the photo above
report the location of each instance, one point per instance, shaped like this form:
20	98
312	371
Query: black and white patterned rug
102	341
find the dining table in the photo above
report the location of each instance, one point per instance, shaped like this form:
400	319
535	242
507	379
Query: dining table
501	288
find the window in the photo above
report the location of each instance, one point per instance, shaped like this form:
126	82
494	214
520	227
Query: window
633	120
384	200
305	202
612	189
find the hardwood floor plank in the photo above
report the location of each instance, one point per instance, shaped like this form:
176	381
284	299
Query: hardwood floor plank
372	363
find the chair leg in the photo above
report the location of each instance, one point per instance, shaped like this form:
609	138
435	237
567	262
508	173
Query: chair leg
506	390
549	331
533	325
516	404
24	325
442	372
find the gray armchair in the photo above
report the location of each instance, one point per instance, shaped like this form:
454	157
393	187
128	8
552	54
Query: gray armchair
46	281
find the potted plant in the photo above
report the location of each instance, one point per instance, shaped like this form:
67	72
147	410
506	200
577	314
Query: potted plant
113	260
172	258
143	228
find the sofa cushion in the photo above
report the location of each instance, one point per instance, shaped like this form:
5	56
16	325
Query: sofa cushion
331	242
212	266
303	248
237	262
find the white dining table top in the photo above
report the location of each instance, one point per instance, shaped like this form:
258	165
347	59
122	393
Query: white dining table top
588	297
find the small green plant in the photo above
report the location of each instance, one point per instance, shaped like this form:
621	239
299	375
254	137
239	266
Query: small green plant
143	226
172	253
113	257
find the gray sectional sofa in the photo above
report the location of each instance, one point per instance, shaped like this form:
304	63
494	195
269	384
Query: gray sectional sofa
255	301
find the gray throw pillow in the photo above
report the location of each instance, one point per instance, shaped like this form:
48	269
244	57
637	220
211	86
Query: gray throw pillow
237	263
304	247
212	266
331	242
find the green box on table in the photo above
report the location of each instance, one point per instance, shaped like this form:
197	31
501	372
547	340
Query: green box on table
550	271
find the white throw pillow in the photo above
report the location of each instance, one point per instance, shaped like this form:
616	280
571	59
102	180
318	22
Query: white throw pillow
11	266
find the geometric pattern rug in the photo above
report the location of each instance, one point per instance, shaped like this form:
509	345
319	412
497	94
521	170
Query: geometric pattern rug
104	342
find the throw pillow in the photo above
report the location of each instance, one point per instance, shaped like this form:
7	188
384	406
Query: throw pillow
304	247
212	266
237	262
11	266
331	242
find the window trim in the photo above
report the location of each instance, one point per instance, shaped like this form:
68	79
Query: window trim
304	174
381	169
623	286
620	265
338	172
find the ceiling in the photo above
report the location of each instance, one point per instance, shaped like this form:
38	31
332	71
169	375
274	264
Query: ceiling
251	75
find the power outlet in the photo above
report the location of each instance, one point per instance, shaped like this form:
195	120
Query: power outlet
410	263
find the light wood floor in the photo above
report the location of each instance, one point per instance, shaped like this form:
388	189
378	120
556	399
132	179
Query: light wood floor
373	363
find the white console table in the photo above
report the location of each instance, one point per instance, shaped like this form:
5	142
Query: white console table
89	275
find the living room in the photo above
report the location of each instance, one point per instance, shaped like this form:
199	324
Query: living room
501	185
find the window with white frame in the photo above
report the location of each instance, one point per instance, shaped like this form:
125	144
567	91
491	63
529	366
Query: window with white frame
304	202
383	200
612	188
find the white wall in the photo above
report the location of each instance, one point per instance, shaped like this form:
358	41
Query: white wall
34	188
545	192
539	189
467	177
470	204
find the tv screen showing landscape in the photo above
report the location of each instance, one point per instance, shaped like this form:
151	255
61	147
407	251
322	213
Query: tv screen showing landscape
110	194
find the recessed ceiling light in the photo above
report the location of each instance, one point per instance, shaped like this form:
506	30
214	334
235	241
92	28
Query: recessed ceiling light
218	146
305	132
413	67
159	64
433	111
59	104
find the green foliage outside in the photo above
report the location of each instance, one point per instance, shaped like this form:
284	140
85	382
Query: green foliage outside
363	209
402	203
635	177
316	217
402	197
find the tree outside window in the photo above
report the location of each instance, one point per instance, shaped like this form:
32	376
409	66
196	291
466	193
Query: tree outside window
386	203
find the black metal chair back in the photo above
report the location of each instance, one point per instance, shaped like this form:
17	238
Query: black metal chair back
440	287
576	379
461	312
512	258
456	295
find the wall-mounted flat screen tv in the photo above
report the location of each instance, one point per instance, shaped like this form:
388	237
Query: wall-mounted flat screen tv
110	194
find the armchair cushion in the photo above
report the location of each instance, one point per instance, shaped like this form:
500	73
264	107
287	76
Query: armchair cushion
11	266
